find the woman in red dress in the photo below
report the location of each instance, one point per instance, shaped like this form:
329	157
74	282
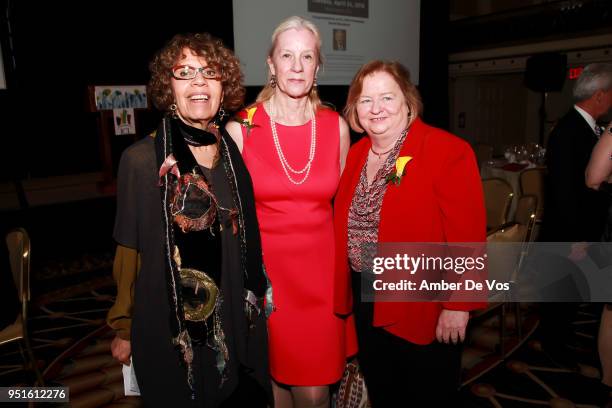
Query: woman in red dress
294	149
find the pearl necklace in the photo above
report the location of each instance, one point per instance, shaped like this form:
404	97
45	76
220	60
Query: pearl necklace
284	163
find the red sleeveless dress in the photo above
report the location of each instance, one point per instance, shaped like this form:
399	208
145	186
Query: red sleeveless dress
307	340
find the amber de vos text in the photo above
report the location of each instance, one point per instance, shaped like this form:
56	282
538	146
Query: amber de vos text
415	264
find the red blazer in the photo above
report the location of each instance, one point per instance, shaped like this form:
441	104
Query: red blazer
439	199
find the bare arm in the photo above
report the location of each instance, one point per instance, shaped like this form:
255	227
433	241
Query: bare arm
345	143
600	165
235	131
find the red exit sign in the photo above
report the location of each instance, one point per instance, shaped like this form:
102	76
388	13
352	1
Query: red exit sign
574	73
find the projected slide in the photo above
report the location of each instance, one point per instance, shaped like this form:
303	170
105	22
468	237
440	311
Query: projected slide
353	33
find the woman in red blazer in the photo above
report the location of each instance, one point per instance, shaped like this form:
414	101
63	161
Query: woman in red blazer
438	199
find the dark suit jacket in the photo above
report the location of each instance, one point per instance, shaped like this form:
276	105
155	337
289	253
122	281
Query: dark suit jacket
573	212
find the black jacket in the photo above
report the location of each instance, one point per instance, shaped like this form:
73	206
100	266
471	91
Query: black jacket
573	212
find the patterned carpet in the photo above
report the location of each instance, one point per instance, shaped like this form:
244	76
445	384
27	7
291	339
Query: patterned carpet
73	290
527	377
63	315
71	341
72	345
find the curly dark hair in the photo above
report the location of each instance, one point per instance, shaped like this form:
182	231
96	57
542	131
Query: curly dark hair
216	54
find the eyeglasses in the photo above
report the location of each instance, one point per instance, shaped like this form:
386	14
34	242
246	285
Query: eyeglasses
189	72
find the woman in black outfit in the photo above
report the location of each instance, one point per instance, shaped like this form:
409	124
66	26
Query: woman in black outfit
185	209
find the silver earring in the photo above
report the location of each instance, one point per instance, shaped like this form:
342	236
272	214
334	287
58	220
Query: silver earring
273	81
222	113
315	84
173	108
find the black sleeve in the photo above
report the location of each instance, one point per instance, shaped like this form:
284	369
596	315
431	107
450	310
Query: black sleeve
255	279
126	219
562	186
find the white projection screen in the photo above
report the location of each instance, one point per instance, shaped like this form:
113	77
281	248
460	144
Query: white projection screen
353	33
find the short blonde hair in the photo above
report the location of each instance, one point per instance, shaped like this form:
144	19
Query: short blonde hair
293	23
399	73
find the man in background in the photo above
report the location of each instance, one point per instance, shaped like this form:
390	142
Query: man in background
574	213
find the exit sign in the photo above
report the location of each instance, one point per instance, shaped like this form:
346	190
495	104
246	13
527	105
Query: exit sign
574	73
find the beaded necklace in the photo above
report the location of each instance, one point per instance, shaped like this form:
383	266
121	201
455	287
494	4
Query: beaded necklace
281	156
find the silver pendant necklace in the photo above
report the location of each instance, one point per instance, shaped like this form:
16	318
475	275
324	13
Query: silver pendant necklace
379	155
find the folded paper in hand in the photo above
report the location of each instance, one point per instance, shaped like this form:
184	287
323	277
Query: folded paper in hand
130	385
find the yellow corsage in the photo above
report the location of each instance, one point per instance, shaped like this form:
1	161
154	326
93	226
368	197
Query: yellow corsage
248	122
250	114
400	168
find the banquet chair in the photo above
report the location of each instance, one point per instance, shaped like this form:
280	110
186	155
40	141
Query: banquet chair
502	262
525	214
531	181
509	259
498	197
18	243
526	210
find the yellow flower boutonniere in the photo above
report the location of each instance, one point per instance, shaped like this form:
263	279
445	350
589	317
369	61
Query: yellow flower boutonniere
248	122
400	167
250	114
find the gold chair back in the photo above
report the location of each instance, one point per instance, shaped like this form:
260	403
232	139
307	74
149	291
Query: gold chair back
512	232
531	182
498	196
18	242
526	210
